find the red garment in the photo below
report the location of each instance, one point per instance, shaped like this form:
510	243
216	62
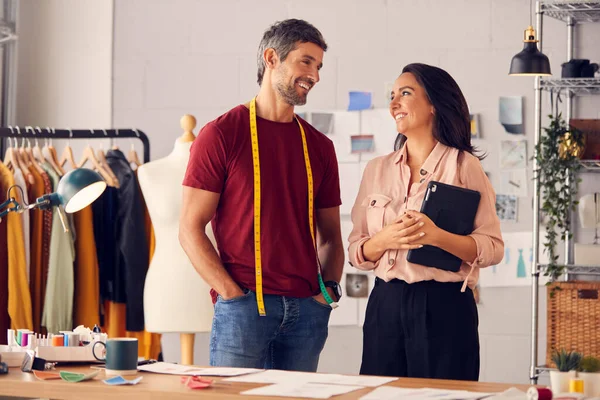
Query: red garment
221	162
46	233
4	317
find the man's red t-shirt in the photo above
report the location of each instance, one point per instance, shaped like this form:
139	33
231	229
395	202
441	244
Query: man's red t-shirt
221	162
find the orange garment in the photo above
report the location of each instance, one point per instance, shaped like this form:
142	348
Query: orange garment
148	343
4	317
19	297
36	220
86	294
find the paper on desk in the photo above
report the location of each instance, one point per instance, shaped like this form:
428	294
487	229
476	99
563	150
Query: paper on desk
392	393
119	381
278	376
302	389
176	369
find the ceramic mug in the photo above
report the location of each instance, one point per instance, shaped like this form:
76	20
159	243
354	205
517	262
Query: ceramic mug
121	356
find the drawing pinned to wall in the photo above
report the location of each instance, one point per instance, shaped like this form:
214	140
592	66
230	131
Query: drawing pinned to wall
362	144
506	207
323	122
513	183
357	285
511	114
513	154
360	101
521	272
475	132
515	267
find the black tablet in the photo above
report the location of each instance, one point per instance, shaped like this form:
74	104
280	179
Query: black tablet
452	209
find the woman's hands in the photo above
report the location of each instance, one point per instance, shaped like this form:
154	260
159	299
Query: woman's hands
412	230
429	232
401	234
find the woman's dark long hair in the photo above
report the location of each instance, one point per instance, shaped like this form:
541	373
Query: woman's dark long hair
452	122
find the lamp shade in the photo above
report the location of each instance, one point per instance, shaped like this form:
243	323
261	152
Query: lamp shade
77	189
530	61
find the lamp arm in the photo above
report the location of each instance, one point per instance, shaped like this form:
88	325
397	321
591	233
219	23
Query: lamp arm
11	205
45	202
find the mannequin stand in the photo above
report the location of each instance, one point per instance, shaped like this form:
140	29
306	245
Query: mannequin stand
187	348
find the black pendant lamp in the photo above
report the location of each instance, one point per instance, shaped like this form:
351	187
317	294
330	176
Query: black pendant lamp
530	61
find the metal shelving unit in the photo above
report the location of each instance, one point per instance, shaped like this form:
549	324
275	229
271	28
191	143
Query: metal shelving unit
578	11
574	86
570	12
590	165
578	269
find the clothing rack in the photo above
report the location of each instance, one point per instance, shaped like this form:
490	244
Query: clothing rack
50	133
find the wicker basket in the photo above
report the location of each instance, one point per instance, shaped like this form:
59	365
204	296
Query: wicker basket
574	318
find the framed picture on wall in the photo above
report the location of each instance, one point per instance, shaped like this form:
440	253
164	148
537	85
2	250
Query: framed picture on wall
362	144
475	132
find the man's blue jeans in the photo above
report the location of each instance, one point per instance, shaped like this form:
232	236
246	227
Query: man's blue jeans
290	337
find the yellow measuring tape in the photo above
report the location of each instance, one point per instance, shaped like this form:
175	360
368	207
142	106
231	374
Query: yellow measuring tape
257	252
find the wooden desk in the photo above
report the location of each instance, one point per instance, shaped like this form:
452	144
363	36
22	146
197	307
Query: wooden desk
157	386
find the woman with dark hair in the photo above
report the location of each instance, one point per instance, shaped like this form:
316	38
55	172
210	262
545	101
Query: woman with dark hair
422	321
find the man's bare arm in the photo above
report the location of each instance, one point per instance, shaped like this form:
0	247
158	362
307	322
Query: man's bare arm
197	211
331	248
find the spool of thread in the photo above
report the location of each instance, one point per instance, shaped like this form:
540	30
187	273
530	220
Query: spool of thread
24	338
11	338
31	340
72	339
534	393
21	336
66	337
58	340
576	385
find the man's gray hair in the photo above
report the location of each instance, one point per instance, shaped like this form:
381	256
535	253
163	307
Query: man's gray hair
283	36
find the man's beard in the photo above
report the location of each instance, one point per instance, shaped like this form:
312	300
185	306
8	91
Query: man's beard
290	94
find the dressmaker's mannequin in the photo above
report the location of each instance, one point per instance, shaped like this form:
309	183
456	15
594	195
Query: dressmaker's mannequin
176	299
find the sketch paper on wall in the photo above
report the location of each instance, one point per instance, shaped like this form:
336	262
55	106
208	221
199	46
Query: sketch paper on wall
513	154
360	101
323	122
475	132
515	267
357	285
511	114
513	183
506	207
362	144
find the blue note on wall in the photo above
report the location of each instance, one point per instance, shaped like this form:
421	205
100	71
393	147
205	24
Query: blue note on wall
359	101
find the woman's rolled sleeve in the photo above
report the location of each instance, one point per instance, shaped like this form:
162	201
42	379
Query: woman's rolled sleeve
357	257
490	250
486	232
360	232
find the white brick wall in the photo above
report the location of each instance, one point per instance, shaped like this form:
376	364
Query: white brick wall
198	56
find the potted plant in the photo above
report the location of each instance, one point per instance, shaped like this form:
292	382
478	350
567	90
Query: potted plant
557	155
567	364
589	372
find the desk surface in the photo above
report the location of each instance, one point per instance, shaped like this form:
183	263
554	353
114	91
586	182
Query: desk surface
157	386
